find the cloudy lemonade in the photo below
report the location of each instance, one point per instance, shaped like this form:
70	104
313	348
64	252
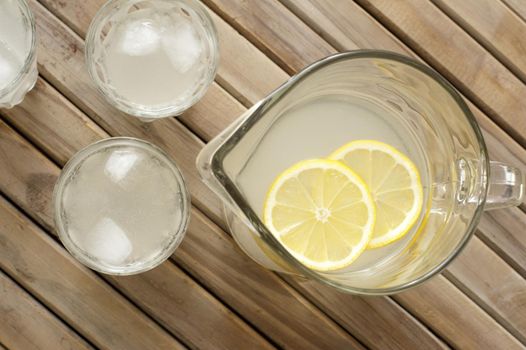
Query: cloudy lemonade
315	129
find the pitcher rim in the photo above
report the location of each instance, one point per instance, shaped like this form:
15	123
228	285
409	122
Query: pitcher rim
220	153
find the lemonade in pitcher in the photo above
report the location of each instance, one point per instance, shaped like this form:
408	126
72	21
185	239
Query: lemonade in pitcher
306	182
366	172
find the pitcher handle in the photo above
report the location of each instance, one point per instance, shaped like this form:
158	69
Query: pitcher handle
506	186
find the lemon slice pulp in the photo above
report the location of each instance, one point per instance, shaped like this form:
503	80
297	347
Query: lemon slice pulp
322	212
394	183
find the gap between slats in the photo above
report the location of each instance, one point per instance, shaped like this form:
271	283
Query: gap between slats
29	296
517	8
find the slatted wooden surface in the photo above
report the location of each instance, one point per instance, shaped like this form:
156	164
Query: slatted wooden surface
208	295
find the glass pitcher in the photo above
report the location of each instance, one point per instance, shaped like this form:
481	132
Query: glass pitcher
434	125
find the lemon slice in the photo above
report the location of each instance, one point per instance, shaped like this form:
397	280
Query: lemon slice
322	212
394	183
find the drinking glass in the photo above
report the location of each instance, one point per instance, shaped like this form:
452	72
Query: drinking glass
121	206
436	127
18	64
152	58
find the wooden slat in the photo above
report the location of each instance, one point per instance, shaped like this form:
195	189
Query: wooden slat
391	327
294	330
343	24
505	239
296	45
455	317
449	49
80	298
246	82
500	145
207	251
519	6
495	286
493	25
224	329
183	307
42	110
26	324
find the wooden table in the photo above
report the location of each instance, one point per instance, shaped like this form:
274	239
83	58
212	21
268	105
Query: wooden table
209	295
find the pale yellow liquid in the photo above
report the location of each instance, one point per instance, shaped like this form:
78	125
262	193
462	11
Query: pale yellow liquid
14	42
314	130
154	57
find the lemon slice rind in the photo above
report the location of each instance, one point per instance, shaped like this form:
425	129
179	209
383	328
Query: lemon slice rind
353	180
412	215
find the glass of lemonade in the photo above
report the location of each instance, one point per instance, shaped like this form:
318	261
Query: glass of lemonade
388	102
18	66
152	58
121	206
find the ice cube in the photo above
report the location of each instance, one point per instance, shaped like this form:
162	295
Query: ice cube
108	242
139	38
182	45
119	163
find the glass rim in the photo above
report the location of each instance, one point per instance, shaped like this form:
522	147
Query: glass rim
131	108
77	159
241	129
31	55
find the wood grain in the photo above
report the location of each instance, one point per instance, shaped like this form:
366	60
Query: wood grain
444	308
493	25
26	324
43	109
194	315
450	50
498	289
385	331
350	22
509	238
214	259
80	298
344	25
519	6
263	16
